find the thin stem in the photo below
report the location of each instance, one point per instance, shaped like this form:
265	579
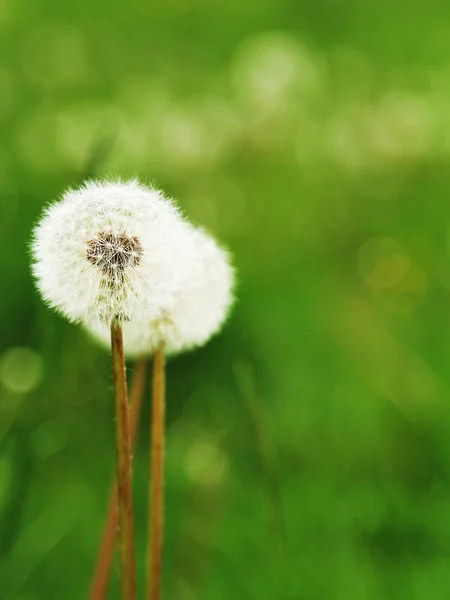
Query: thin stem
157	479
123	459
100	579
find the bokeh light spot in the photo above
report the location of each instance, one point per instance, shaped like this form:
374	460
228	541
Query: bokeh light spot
21	370
382	263
205	464
273	69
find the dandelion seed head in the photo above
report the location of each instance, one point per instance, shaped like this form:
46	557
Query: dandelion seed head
111	250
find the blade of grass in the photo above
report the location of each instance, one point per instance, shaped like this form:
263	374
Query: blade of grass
265	450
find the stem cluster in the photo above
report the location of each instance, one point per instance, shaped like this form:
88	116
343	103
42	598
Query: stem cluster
120	510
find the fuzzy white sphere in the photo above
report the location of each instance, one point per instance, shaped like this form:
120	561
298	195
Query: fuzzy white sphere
111	250
200	307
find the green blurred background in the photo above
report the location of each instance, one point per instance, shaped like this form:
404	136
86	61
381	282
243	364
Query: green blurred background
308	448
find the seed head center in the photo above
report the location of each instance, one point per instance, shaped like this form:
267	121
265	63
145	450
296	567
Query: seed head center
114	252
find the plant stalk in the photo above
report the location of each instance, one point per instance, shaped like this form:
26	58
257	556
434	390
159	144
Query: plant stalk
102	571
156	478
123	464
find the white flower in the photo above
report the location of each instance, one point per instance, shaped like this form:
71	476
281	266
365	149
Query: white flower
200	307
111	250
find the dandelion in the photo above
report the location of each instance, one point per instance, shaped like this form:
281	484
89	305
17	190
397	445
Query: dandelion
199	309
110	252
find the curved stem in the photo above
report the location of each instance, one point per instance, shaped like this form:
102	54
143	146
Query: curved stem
123	460
100	579
157	479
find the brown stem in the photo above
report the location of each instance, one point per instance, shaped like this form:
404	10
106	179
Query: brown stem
100	579
123	459
157	479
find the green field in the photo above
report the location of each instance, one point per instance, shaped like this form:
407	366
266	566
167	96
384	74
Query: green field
308	445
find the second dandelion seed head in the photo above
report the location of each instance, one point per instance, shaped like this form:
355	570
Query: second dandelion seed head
199	308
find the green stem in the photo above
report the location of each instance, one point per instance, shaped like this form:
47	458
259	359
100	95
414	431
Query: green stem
100	578
157	479
123	463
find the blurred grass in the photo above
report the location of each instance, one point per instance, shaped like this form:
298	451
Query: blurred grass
312	138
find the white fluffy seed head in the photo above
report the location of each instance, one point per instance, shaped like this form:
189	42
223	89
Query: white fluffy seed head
111	250
201	306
